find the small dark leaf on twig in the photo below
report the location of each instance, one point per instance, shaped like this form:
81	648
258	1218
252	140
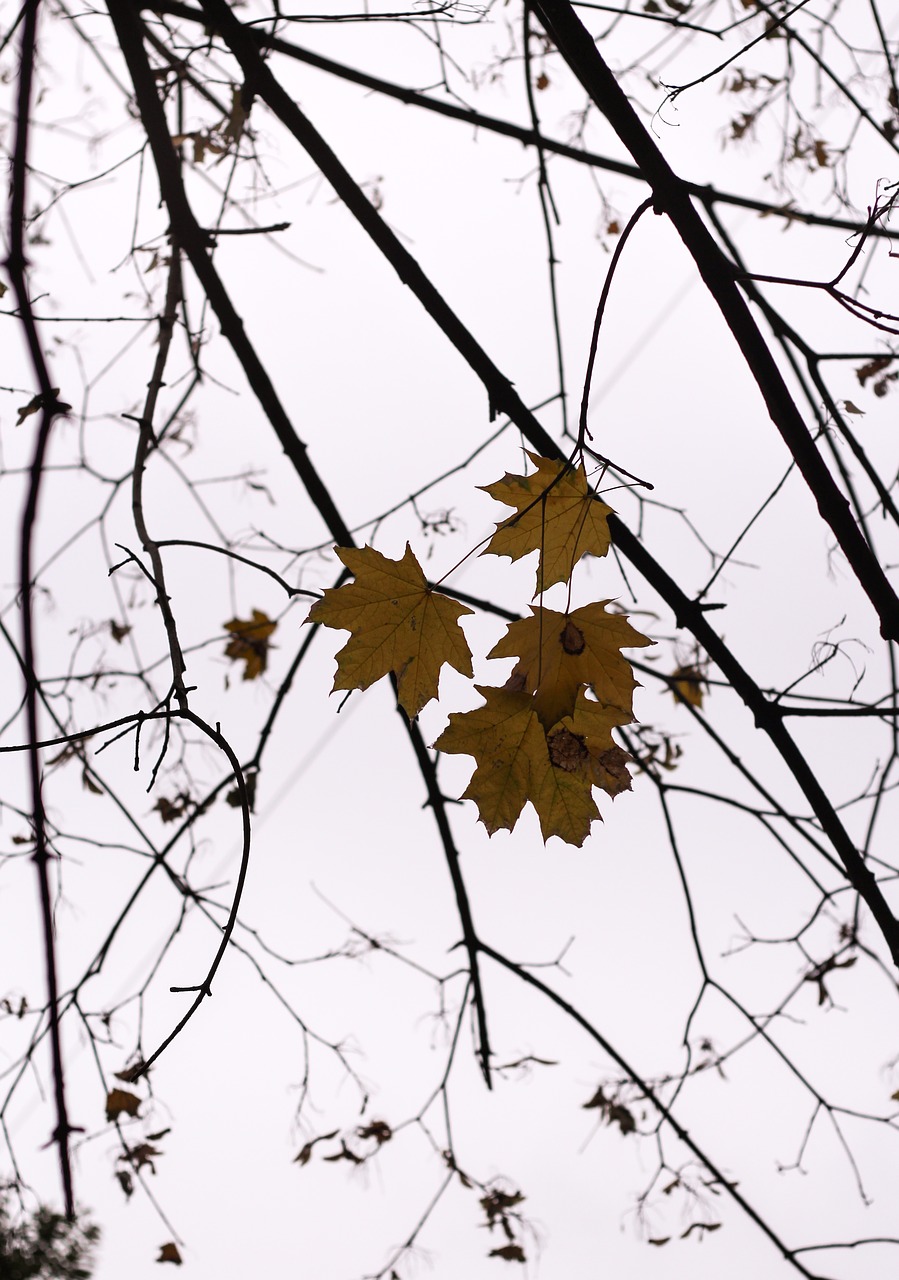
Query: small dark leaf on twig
119	1101
132	1073
511	1253
701	1227
305	1154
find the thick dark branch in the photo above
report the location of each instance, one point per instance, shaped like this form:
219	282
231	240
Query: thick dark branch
673	199
706	193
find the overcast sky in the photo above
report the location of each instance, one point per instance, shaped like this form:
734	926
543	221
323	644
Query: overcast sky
343	845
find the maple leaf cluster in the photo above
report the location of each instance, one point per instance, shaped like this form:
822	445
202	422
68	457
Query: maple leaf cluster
546	735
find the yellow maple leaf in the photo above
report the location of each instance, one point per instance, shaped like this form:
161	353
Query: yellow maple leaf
558	654
558	515
250	642
517	761
398	624
564	802
507	741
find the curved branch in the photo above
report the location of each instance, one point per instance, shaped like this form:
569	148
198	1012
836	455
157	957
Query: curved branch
204	988
16	265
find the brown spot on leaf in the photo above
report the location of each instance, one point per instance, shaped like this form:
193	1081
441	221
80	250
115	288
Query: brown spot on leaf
567	750
572	638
